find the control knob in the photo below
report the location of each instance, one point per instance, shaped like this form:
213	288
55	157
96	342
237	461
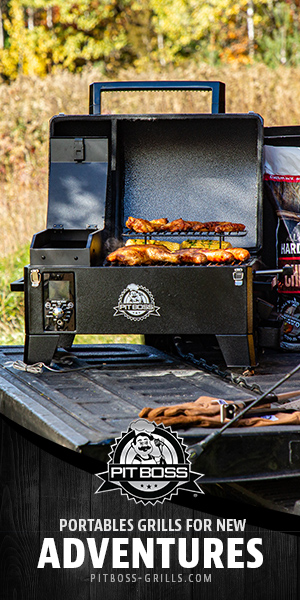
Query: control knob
58	312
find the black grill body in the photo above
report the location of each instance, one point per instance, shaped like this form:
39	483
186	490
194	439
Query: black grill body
105	168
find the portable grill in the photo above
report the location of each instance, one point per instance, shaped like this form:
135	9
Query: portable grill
105	168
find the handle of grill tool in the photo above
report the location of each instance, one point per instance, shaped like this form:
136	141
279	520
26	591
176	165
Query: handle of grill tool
216	87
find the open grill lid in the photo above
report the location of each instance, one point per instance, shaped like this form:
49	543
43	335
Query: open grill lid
197	167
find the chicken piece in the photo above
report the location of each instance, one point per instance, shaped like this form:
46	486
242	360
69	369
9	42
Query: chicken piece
212	225
157	223
192	255
209	226
129	255
161	254
143	254
144	226
196	226
218	256
240	254
222	226
227	227
177	225
147	254
139	225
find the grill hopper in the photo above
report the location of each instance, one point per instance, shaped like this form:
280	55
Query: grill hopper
198	167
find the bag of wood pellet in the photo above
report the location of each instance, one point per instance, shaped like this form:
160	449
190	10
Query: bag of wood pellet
282	182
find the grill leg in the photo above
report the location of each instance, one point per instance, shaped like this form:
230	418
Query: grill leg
40	348
237	350
161	342
66	340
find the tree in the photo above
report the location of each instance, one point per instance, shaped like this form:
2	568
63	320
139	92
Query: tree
277	38
39	36
110	32
3	7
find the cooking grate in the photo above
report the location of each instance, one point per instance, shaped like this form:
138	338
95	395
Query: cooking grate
182	265
130	233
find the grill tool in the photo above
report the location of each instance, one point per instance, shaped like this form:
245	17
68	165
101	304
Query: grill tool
196	450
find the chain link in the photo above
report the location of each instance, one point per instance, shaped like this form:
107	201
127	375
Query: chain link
237	380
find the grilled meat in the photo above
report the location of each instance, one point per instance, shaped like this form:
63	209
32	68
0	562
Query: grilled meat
129	255
240	254
196	226
152	254
161	254
218	256
215	255
143	254
228	255
177	225
144	226
218	226
149	254
157	223
192	255
139	225
227	227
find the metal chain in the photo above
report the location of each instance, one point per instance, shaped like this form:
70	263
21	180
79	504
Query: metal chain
237	380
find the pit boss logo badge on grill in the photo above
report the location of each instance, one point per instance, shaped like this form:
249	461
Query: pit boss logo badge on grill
148	464
136	303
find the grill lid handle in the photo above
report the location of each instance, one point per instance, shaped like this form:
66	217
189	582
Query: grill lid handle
216	87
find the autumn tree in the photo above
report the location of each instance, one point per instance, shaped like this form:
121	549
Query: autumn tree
39	36
68	36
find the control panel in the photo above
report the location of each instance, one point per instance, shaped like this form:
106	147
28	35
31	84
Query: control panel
59	301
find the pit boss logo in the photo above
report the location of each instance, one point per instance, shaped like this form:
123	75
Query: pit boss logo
148	464
136	303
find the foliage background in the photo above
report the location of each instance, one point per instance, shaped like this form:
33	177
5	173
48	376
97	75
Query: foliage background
52	51
41	36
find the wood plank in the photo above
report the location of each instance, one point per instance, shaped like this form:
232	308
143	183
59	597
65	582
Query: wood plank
279	571
19	515
64	493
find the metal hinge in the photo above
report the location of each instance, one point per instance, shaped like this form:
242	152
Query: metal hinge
35	277
78	149
238	276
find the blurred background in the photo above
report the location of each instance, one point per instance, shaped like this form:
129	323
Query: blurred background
50	51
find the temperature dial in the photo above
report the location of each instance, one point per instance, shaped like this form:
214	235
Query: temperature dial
58	312
59	315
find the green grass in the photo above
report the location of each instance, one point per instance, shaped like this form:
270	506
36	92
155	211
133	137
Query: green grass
12	308
12	303
109	339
